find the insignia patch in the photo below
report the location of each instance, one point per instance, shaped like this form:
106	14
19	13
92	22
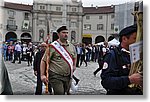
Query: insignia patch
59	57
124	67
105	65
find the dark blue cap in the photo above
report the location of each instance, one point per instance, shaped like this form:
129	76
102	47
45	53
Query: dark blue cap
128	30
61	28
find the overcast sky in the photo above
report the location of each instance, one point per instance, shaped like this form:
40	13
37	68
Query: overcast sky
85	2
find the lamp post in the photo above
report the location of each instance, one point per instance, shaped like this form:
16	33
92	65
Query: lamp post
106	25
64	13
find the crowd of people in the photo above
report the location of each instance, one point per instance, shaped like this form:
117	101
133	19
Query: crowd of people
54	64
90	52
13	51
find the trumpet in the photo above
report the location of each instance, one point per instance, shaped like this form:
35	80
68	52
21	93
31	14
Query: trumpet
137	67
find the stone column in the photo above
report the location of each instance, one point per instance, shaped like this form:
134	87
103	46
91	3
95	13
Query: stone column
34	28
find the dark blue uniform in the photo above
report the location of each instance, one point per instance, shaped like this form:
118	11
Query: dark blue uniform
115	72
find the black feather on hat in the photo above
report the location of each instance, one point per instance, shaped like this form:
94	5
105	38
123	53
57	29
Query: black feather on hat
128	30
61	28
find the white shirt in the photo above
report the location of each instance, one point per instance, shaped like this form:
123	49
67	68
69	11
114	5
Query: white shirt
78	50
18	48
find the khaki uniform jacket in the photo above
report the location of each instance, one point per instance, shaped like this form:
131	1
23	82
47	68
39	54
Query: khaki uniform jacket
57	64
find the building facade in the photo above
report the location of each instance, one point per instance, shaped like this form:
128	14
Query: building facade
40	21
17	22
98	23
48	15
123	16
1	20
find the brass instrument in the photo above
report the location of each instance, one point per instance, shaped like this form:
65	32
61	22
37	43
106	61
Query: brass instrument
137	67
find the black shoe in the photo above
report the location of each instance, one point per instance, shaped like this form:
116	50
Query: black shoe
19	62
77	81
94	74
12	62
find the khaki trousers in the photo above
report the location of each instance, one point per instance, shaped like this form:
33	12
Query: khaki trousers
60	84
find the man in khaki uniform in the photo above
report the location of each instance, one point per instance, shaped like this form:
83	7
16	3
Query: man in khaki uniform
60	68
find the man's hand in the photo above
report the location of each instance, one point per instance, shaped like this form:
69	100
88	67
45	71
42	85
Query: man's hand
136	79
44	79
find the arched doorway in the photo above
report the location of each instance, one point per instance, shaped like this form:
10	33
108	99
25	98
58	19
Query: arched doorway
87	40
73	36
11	36
99	39
41	35
25	37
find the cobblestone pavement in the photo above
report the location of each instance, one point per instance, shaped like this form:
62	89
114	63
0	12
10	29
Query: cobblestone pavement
23	80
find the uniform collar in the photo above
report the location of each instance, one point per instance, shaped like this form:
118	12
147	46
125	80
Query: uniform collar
63	44
124	50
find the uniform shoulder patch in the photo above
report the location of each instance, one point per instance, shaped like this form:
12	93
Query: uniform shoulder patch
105	65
